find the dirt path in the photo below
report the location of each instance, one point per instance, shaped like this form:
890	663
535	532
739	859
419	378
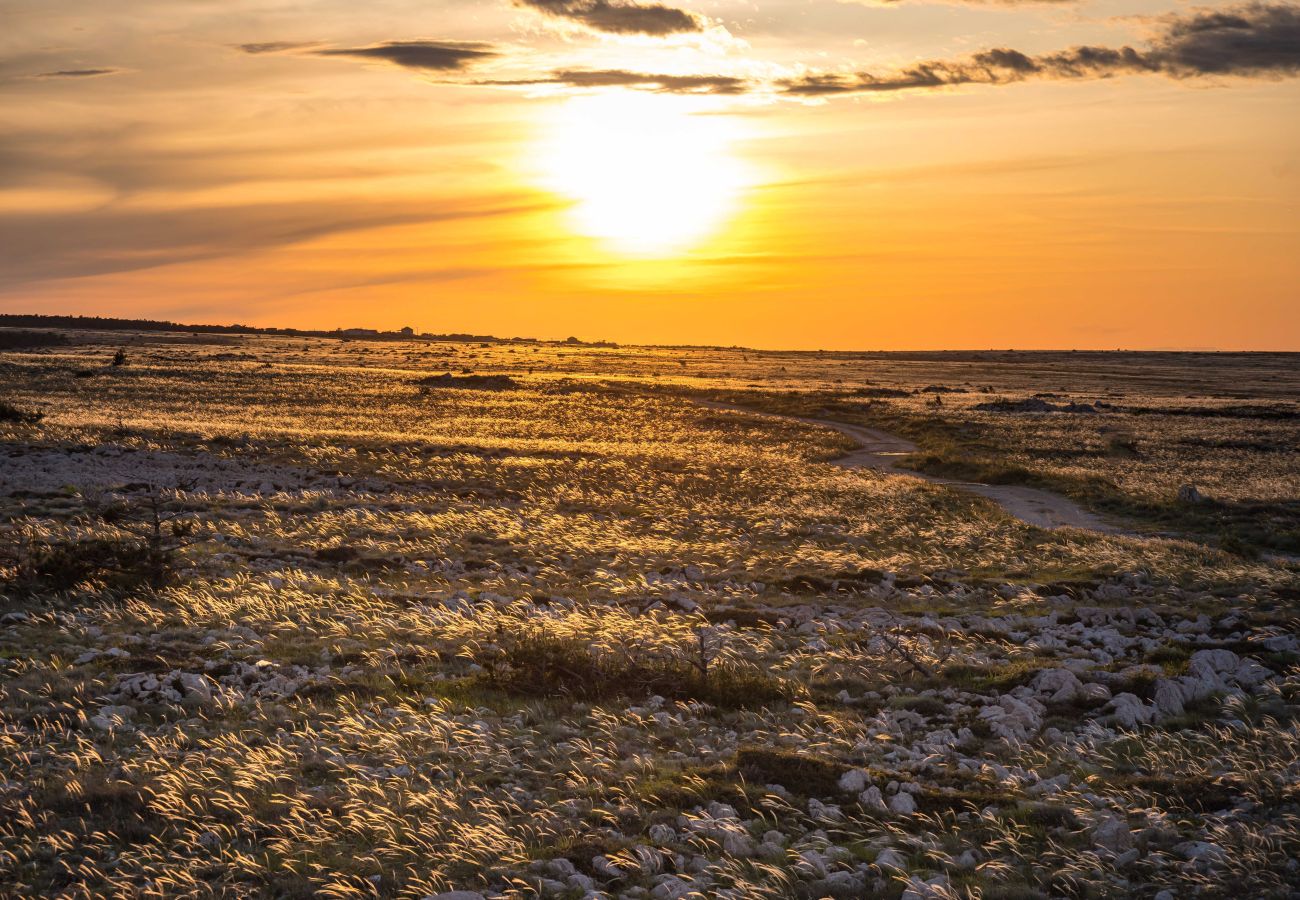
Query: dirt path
881	450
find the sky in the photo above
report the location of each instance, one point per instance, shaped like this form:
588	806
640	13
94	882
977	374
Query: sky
865	174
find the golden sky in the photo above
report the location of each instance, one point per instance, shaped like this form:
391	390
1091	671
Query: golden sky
798	173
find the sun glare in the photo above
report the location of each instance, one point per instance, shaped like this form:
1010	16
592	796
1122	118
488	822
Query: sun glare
649	175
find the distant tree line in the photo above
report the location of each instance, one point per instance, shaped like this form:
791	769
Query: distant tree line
109	323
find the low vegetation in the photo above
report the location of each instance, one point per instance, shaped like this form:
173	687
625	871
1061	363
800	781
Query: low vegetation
278	620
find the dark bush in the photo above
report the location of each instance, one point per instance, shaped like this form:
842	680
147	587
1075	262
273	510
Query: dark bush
538	663
10	413
112	562
472	382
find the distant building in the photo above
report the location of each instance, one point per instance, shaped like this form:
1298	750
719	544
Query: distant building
407	331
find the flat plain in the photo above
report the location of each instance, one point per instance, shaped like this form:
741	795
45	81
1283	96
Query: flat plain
309	617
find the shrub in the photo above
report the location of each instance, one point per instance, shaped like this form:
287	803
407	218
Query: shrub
9	413
114	562
535	661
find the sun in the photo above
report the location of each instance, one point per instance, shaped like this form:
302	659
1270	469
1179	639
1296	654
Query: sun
649	175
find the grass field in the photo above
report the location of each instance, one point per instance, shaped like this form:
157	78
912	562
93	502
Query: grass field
301	618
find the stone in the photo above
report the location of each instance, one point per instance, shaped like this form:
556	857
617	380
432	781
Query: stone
1168	697
1208	664
1057	685
891	859
1129	710
1113	834
1200	851
854	781
903	804
871	798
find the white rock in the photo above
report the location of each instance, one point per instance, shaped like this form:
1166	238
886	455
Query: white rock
1057	685
1113	834
1201	851
1250	673
812	861
891	859
195	684
1168	697
903	804
738	845
670	887
662	834
1209	663
854	781
871	798
1094	692
1130	711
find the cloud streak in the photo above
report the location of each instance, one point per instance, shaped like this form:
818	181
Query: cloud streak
432	56
421	55
660	83
654	20
1256	40
79	73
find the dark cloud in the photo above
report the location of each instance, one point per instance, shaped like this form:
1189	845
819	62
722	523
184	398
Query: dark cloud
668	84
436	56
653	19
1256	40
78	73
274	46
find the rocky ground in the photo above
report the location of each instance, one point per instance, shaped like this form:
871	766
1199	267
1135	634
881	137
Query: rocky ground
554	642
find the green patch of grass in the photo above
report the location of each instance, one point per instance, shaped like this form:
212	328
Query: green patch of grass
1173	658
926	706
694	786
802	773
984	679
1042	815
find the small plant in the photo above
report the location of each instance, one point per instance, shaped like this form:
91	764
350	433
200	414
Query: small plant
10	413
163	532
119	358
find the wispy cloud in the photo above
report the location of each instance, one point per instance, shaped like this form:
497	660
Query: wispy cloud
663	83
78	73
431	56
655	19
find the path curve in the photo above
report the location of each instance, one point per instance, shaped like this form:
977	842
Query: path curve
882	451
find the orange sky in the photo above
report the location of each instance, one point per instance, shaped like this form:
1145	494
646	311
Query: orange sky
800	173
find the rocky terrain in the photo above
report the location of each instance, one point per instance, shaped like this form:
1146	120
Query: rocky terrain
570	634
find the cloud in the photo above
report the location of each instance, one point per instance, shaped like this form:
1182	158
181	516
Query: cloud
275	46
1254	40
437	56
78	73
668	84
655	19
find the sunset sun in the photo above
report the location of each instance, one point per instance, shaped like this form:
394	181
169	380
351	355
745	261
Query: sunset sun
647	175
